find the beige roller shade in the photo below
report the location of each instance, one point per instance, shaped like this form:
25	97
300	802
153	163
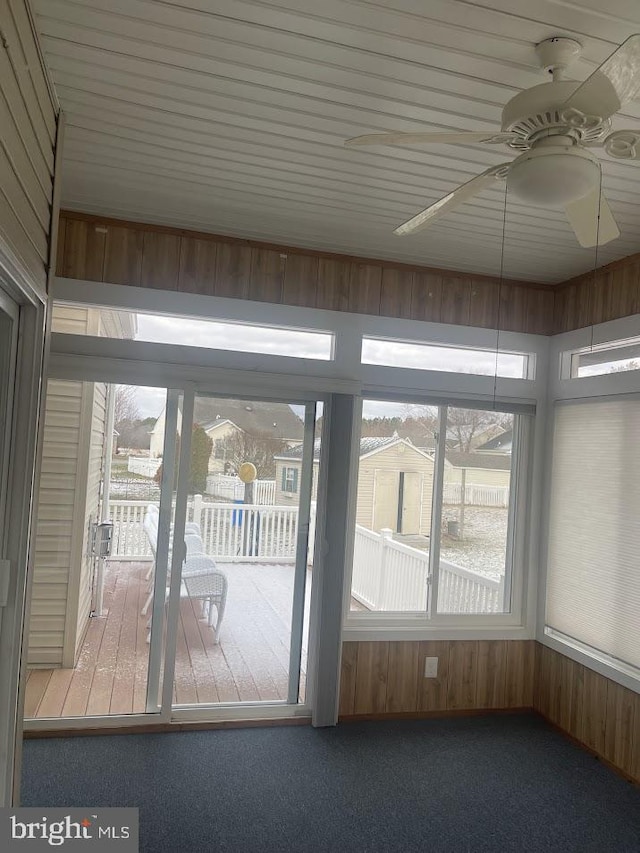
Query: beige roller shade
593	583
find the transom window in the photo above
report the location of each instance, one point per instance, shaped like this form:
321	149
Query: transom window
418	355
146	326
600	359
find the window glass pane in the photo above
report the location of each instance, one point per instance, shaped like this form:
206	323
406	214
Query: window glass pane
475	511
95	551
616	357
420	356
189	331
393	515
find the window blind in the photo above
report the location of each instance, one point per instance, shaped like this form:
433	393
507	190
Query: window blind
593	581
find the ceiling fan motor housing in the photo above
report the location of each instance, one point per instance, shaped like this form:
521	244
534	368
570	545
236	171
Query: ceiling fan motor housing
542	108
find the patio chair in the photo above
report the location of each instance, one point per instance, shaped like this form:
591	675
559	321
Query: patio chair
193	544
200	576
202	579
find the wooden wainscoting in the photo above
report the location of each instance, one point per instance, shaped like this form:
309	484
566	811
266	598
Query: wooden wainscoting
387	678
612	292
598	712
110	250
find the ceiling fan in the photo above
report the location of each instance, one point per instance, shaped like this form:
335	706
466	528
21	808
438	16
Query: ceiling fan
553	125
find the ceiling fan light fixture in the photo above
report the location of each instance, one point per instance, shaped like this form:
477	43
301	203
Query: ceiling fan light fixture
553	178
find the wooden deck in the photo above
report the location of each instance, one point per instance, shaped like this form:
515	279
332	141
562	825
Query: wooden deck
249	664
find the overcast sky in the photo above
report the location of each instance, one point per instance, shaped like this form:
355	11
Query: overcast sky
287	342
449	359
233	336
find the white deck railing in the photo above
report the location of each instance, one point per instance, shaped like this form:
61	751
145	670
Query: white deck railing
230	532
232	489
391	576
247	532
476	495
129	541
387	575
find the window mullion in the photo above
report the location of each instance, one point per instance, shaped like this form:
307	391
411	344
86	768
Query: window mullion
436	511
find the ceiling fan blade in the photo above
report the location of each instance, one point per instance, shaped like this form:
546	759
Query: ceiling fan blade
454	199
464	136
612	85
583	218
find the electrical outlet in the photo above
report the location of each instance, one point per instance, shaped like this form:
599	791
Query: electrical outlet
431	667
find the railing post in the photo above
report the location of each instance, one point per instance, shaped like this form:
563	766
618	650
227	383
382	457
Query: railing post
197	509
501	595
383	544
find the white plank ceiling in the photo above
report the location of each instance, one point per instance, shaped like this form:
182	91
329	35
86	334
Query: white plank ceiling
229	116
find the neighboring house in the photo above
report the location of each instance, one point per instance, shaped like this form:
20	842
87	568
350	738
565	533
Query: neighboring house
395	482
502	443
479	469
69	497
222	417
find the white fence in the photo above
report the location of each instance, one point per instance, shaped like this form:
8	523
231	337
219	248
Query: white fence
143	465
476	495
230	532
391	576
387	575
232	489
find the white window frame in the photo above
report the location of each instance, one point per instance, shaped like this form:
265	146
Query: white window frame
290	481
563	386
235	372
18	548
372	625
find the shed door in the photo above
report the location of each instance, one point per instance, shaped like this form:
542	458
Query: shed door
385	500
411	502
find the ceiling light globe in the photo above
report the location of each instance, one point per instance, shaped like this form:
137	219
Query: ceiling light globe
553	178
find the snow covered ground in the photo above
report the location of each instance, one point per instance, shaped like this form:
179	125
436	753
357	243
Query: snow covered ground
482	548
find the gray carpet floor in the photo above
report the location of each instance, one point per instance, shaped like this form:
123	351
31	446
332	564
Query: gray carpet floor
469	785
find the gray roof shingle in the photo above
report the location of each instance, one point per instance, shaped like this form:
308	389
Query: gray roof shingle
275	420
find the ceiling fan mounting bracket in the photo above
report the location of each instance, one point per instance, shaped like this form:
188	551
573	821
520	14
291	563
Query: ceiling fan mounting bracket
557	53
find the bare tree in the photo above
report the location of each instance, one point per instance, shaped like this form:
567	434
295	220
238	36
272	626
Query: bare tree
465	426
624	366
239	447
126	406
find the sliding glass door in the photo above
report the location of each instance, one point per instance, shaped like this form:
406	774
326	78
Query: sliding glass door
239	617
173	558
103	540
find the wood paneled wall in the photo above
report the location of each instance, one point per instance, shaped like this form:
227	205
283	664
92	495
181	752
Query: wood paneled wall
611	292
387	679
381	678
598	712
108	250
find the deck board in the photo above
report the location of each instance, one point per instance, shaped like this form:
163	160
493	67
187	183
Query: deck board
249	664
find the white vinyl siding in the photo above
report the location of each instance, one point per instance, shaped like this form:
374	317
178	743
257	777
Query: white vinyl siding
28	122
55	522
478	476
69	496
92	508
71	319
